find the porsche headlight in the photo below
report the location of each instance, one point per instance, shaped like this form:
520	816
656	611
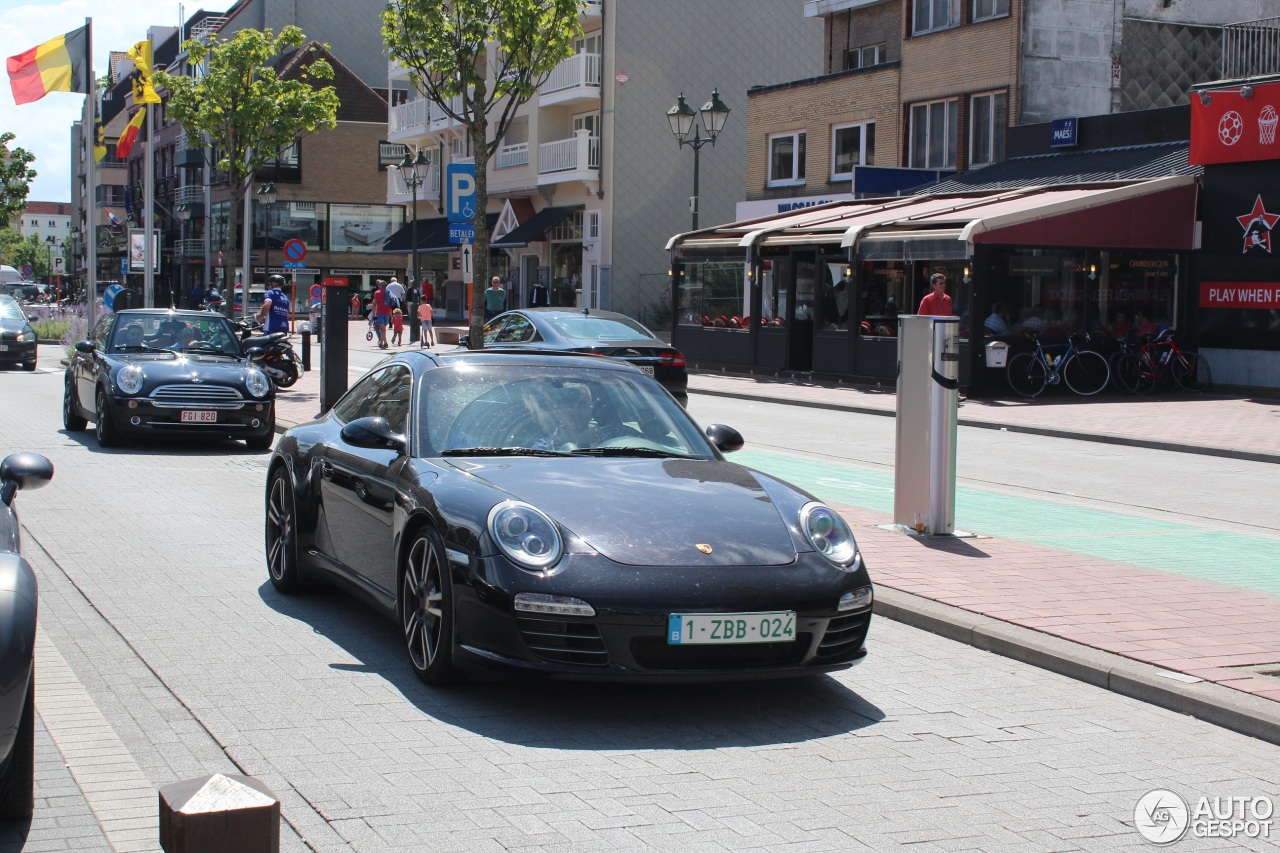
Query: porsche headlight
130	379
829	535
256	382
526	536
26	337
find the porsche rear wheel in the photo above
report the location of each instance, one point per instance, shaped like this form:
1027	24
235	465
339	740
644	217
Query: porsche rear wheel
104	427
282	534
17	784
426	608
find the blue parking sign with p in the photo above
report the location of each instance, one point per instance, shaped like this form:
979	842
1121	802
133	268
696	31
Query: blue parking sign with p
461	200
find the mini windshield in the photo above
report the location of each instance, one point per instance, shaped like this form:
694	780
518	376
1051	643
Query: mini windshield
519	409
211	335
589	328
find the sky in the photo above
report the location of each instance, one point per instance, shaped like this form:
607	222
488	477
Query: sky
44	127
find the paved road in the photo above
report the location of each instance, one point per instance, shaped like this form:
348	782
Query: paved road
155	598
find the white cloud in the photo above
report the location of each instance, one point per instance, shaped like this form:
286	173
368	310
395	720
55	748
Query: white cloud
44	127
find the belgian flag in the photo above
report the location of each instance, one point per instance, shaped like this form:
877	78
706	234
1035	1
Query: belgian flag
125	143
58	65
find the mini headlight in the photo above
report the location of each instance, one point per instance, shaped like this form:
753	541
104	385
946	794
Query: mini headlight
26	337
526	536
257	383
130	379
829	535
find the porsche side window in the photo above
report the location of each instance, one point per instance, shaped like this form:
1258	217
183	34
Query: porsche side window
517	331
358	399
493	329
391	398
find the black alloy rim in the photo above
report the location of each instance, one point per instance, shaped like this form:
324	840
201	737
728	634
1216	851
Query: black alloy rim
279	529
423	608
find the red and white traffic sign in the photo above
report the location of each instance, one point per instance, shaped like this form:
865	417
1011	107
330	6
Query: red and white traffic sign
295	250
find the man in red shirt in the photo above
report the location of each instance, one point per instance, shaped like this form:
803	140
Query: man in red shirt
936	303
381	313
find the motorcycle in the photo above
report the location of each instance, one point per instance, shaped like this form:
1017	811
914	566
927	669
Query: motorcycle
278	360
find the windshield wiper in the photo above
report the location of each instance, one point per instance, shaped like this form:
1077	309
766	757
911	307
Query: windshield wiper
205	348
500	451
139	348
629	451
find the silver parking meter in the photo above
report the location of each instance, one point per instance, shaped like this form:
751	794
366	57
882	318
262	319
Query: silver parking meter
924	490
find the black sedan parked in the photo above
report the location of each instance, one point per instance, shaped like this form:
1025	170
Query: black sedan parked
593	333
17	641
160	372
560	515
17	338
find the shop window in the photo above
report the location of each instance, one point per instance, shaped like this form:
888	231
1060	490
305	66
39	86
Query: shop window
837	295
878	302
930	15
786	159
986	9
865	56
851	145
989	117
712	294
359	227
933	134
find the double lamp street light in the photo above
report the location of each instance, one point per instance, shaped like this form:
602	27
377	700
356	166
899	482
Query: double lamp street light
414	172
682	119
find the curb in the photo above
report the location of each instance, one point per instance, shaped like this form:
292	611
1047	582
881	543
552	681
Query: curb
1102	437
1220	706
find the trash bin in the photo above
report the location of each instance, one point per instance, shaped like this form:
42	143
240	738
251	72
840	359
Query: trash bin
997	354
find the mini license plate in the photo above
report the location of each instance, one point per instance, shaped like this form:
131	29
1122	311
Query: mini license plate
5	348
647	371
692	629
190	417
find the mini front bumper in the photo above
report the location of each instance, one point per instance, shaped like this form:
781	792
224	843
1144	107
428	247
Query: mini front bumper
134	416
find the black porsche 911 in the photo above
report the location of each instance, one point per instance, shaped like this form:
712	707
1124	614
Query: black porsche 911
173	373
560	515
594	333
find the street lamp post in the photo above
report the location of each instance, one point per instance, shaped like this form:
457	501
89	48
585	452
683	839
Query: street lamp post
184	216
49	243
266	198
414	174
682	119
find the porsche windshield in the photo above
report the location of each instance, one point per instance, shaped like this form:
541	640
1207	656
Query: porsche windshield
522	409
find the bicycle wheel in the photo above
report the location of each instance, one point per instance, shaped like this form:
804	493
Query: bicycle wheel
1086	372
1026	374
1191	371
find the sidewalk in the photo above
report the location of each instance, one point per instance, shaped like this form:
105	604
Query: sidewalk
1196	646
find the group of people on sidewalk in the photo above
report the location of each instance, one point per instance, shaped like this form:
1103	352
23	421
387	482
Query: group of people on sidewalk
387	312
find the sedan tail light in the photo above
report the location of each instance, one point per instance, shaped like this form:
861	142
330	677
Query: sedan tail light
672	359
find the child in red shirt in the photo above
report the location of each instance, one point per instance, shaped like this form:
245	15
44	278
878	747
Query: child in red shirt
397	328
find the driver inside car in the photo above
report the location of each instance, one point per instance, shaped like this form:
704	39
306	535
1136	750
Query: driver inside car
133	335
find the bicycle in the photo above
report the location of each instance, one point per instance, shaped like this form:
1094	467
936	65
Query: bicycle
1141	371
1084	371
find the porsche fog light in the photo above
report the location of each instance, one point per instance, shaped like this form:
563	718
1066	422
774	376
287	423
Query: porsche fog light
829	535
526	536
130	379
856	600
256	382
561	605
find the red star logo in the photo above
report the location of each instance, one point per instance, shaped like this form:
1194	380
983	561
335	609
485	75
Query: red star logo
1259	213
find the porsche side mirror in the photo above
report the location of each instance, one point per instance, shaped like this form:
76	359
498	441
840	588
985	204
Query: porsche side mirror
725	438
85	347
374	433
23	471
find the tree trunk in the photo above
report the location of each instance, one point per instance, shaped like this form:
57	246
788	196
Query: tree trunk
480	249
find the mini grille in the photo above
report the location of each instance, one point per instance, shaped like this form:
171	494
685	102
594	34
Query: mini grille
844	636
561	641
216	396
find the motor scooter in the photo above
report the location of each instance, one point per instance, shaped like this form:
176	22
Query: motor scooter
278	360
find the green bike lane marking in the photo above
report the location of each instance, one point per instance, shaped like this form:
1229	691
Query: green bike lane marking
1234	558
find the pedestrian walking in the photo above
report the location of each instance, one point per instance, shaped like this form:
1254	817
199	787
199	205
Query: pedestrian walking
936	303
381	313
197	295
495	299
355	305
425	313
397	327
395	293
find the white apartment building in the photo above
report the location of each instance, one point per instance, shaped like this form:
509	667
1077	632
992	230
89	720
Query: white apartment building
50	221
589	182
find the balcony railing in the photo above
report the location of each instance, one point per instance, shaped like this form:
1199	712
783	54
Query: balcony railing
513	155
1251	49
411	115
582	69
189	248
192	196
568	155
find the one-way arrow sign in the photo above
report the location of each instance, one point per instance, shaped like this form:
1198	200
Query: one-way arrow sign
466	263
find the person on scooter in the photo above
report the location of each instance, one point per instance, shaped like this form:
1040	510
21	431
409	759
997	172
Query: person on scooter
274	313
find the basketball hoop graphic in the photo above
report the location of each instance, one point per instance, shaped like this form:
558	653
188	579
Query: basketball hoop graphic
1267	122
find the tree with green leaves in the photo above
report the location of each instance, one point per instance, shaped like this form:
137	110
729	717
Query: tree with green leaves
247	110
492	55
16	176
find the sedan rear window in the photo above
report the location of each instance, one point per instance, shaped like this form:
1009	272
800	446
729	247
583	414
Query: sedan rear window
601	329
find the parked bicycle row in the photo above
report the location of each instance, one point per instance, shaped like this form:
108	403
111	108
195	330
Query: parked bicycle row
1135	365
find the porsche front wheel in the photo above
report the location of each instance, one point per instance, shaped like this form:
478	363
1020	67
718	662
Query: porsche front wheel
426	608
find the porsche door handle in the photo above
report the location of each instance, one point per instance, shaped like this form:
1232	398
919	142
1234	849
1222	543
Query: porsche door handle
326	470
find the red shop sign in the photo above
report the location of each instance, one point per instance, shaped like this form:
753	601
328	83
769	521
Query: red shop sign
1263	295
1234	129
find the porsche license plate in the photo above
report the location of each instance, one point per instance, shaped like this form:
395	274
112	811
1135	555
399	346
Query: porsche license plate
193	417
686	629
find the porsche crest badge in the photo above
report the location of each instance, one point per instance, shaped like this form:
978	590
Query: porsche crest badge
706	549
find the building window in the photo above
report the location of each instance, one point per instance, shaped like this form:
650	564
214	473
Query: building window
866	56
786	159
851	145
930	15
985	9
989	117
933	135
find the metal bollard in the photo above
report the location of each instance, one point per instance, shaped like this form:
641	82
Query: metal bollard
306	349
219	814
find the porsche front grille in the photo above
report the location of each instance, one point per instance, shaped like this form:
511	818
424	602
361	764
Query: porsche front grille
562	641
203	396
844	636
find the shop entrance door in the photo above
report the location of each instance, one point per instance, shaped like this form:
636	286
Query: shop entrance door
801	306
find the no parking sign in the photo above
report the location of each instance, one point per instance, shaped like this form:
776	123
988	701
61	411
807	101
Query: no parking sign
317	292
